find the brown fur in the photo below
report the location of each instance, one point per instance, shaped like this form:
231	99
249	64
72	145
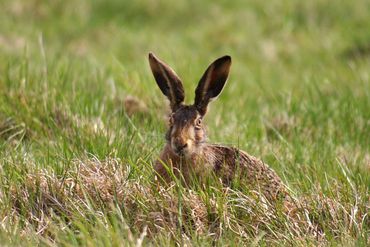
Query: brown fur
187	154
224	162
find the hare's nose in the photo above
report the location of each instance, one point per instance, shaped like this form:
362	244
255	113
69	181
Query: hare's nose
180	146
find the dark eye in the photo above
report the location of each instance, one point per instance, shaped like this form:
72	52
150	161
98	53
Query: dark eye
198	123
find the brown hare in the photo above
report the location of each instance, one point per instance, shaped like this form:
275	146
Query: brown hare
187	153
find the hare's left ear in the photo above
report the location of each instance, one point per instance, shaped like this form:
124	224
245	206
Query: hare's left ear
167	80
212	83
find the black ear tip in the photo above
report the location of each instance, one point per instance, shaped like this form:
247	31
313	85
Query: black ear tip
223	59
227	58
152	56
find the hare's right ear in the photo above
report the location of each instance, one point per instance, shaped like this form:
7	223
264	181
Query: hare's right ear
167	80
212	83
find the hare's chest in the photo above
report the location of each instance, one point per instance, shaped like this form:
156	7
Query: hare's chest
197	166
202	167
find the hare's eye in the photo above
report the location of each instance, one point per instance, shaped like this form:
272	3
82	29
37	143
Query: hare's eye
198	123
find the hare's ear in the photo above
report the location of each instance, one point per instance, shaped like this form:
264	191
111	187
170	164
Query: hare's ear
167	80
212	83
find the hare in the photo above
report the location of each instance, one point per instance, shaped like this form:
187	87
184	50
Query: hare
187	153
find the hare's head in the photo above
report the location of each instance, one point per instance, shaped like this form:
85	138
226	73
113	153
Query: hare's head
186	133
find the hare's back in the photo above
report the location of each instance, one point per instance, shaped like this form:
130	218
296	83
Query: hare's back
229	162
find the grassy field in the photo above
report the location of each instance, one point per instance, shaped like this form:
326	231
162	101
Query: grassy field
82	120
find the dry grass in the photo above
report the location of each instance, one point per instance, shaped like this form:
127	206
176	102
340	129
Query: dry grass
97	187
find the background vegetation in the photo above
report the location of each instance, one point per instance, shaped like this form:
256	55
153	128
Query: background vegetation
81	119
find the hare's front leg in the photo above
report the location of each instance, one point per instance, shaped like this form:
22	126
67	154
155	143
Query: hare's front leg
167	164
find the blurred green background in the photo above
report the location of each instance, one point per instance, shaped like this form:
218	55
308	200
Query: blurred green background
300	64
298	95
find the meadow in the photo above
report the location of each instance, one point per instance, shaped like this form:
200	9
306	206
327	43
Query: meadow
82	120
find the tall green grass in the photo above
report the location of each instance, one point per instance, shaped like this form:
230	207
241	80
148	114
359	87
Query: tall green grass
298	97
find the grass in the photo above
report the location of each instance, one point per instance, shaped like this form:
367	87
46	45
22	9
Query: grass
76	149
